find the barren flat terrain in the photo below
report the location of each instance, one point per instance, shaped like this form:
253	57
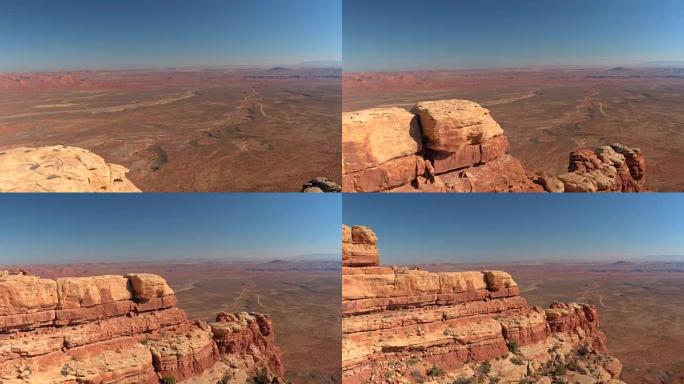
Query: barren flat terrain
546	113
303	300
641	308
185	130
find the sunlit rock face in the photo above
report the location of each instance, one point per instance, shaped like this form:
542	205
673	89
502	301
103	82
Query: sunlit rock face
122	329
456	146
411	325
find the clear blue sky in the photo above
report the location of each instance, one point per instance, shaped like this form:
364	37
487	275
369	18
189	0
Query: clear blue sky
56	228
410	34
416	228
72	34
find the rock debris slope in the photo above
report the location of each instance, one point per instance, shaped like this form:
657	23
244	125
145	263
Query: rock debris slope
60	169
406	325
123	329
456	146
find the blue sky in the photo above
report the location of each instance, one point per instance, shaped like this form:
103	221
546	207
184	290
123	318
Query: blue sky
416	228
58	228
73	34
409	34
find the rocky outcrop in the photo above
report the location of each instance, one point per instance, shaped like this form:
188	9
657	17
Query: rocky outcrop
321	184
60	169
359	247
123	329
611	168
403	325
456	146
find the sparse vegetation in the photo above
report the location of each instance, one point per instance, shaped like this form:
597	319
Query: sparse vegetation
411	361
517	360
168	380
560	370
435	371
485	368
463	380
417	376
574	366
513	347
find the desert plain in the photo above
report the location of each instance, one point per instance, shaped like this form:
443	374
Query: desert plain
548	112
302	298
185	129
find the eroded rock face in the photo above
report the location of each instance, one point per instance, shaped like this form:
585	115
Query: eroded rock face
611	168
359	247
60	169
456	146
409	325
449	125
122	329
382	149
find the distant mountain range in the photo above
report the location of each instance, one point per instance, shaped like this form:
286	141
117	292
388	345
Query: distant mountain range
664	63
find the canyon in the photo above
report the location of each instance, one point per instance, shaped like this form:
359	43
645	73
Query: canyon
124	329
408	325
456	146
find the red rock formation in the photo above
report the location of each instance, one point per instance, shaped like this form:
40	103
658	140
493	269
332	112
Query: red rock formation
397	317
359	248
456	146
119	329
614	168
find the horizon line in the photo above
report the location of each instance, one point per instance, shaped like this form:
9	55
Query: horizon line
642	65
192	66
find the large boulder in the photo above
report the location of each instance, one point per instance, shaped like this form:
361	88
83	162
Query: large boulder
375	136
147	286
76	292
448	125
60	168
359	247
22	294
381	149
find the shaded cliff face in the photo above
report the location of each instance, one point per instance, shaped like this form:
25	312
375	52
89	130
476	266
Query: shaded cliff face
403	325
123	329
456	146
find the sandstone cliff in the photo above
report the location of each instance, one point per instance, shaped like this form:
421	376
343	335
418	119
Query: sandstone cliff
404	325
60	169
124	329
456	146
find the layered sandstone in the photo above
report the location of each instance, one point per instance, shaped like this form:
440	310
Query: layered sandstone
359	247
122	329
456	146
60	169
404	325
